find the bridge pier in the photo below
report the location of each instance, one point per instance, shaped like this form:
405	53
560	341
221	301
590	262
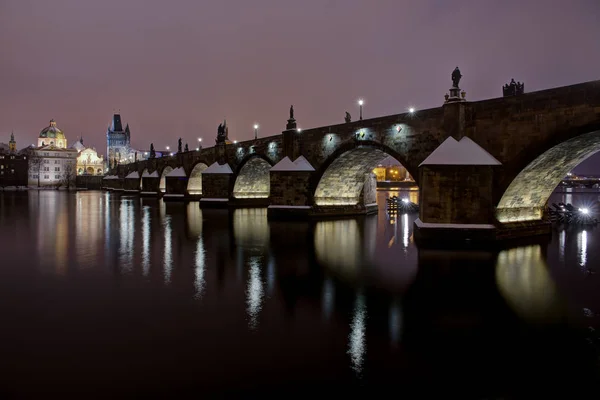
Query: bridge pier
131	183
290	195
456	183
150	184
176	183
217	180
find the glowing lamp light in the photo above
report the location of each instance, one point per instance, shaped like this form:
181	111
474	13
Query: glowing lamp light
299	130
361	102
405	200
168	148
411	110
197	148
584	211
199	139
235	142
171	153
255	126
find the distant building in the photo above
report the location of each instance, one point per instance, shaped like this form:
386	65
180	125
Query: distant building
88	161
13	166
51	163
118	145
391	170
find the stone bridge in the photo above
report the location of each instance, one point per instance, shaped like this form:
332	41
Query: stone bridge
534	139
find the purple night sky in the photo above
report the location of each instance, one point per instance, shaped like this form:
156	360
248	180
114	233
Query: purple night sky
177	68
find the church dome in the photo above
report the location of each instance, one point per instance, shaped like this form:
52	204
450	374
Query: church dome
52	132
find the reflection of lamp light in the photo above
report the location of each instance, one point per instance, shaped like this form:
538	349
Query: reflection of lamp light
254	292
357	348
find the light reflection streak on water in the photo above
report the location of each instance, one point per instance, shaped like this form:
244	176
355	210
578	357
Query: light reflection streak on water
200	282
582	247
328	298
254	293
395	323
168	250
357	345
146	241
126	235
270	276
405	235
106	225
561	245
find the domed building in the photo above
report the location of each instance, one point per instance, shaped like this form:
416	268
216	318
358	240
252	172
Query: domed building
52	163
52	136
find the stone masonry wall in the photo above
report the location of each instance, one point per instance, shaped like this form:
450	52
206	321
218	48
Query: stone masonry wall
216	186
369	195
456	194
290	188
150	184
176	184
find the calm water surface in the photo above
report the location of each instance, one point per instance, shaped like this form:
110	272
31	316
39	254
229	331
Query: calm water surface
104	294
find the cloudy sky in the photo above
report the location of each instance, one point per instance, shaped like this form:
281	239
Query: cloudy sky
177	68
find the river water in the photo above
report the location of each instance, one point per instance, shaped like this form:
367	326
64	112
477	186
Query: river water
106	294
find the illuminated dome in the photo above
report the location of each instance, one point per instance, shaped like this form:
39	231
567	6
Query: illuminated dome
52	136
52	132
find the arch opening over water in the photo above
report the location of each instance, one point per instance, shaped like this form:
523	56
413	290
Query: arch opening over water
162	186
351	179
195	180
253	180
526	196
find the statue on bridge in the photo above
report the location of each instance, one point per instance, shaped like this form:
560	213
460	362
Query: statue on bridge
292	112
513	88
179	145
152	152
456	75
348	117
221	135
186	148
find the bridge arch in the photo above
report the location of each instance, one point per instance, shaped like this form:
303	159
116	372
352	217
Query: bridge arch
195	179
534	181
252	177
341	179
162	186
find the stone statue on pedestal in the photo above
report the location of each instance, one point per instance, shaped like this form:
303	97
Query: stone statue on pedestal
291	112
221	134
456	75
348	117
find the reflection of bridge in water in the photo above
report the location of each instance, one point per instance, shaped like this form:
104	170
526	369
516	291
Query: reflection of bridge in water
274	259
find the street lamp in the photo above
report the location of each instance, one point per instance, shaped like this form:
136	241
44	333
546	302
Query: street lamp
411	110
255	131
360	104
168	148
199	139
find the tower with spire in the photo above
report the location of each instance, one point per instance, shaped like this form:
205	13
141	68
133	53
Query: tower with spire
118	142
12	145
